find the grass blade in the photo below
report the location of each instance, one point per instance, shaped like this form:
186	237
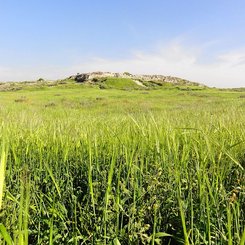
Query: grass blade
2	174
6	235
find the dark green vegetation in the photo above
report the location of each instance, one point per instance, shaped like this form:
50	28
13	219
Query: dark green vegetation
86	165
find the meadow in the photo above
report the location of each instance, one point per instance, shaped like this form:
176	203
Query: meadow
85	165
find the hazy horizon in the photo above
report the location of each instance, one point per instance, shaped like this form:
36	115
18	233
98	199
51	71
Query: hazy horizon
199	41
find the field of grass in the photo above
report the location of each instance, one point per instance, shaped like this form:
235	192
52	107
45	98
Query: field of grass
83	165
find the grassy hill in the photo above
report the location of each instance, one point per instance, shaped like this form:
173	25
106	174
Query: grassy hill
103	83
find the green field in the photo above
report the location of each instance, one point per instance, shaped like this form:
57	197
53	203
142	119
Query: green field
121	165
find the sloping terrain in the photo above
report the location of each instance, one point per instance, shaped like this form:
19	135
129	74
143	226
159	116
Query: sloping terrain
157	79
106	80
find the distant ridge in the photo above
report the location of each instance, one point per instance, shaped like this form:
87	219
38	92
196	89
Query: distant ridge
109	80
93	76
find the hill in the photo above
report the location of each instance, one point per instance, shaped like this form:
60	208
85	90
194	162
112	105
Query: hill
110	80
107	80
140	80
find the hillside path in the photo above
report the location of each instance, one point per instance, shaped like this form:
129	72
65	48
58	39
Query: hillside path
139	83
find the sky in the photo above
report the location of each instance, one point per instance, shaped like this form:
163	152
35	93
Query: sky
203	41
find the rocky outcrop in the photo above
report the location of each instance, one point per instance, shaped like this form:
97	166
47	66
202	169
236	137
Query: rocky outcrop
80	78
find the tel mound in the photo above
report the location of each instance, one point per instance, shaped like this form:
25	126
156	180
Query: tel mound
139	80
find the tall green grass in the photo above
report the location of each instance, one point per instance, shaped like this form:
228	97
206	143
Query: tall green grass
124	175
2	172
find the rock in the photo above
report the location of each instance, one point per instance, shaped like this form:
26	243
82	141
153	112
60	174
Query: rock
80	78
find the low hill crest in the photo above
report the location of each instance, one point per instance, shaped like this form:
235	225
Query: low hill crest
91	76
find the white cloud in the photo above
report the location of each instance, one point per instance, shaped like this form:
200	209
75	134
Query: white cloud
175	59
4	71
234	58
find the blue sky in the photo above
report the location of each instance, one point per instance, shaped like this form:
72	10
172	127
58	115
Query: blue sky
202	41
